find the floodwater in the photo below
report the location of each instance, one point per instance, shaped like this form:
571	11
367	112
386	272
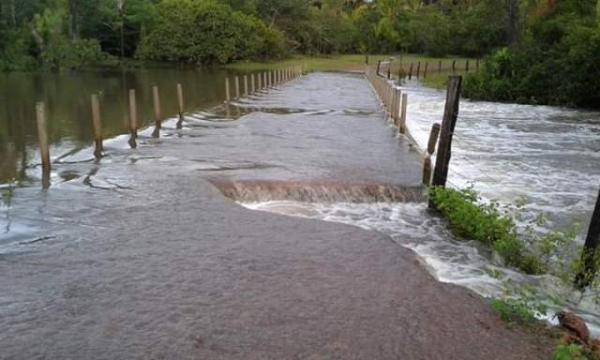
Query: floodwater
546	157
67	99
332	158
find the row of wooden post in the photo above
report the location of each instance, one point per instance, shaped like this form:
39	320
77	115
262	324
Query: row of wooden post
395	103
259	82
426	69
265	80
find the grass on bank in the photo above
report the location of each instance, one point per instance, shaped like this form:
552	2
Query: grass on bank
353	62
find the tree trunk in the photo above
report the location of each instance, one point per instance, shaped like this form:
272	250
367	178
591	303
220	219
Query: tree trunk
513	22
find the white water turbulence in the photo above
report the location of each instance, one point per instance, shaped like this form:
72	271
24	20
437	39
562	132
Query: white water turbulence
549	156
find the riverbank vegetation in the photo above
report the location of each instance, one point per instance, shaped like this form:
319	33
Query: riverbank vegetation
69	33
525	248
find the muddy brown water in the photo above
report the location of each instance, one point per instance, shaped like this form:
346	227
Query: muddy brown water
141	256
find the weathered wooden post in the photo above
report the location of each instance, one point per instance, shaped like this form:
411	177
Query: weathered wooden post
259	78
378	67
410	70
589	257
245	85
252	83
366	59
157	112
389	72
133	126
97	124
402	125
237	86
440	174
467	66
433	138
227	95
42	127
418	69
396	107
425	71
427	167
453	66
440	67
180	104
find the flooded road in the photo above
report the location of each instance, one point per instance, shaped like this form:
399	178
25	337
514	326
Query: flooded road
141	256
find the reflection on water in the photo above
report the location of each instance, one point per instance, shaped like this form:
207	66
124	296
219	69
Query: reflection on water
67	98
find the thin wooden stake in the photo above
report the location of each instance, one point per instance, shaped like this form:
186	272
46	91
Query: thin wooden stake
467	66
245	85
402	126
133	127
418	69
252	83
427	170
425	71
157	112
237	86
42	127
433	138
97	124
227	95
181	107
440	174
440	67
410	70
453	66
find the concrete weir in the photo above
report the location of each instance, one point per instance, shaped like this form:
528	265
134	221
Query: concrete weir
145	258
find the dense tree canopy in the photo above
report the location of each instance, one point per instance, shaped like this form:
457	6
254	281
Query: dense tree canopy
544	51
70	33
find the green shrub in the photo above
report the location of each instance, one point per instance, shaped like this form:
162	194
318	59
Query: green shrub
569	352
471	219
208	32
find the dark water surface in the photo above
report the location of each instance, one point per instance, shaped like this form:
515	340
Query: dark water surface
67	98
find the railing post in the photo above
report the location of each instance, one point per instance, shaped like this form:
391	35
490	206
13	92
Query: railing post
440	174
433	138
97	124
245	85
418	69
132	119
157	112
237	86
252	83
425	71
181	107
410	70
42	127
402	125
227	95
588	255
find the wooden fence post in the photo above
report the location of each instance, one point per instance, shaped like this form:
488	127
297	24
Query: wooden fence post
97	124
427	170
440	174
467	66
389	72
252	83
477	65
402	125
132	119
418	69
425	71
397	106
433	138
453	66
410	70
157	115
245	85
42	127
589	257
180	104
440	67
237	86
366	59
259	78
378	67
227	95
